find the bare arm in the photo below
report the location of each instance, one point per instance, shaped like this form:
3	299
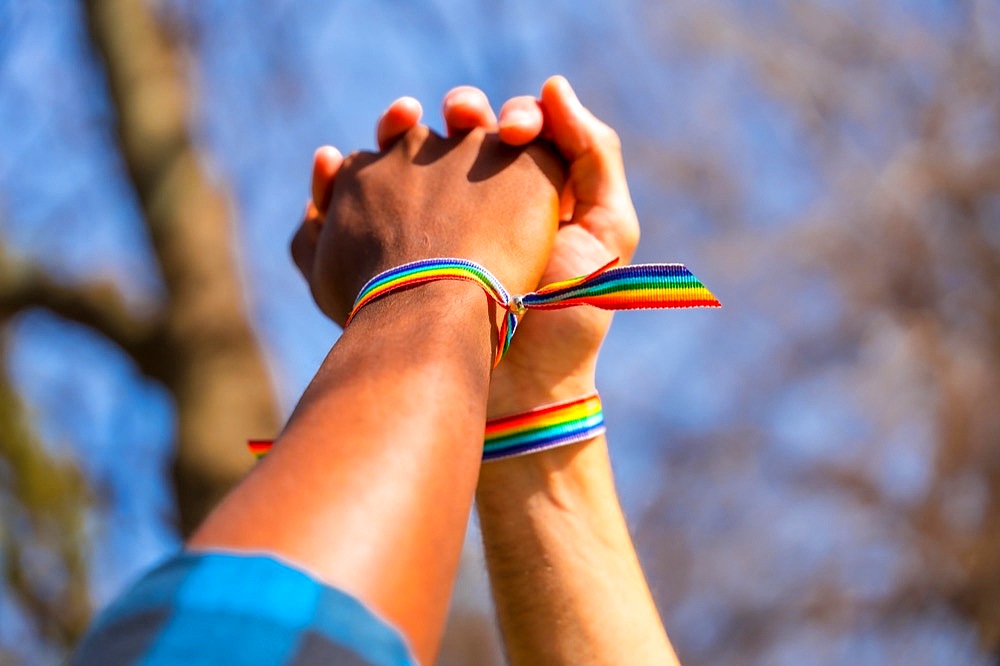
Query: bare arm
370	484
365	488
566	580
565	577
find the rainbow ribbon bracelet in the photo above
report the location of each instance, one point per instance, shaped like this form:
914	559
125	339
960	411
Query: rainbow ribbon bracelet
611	287
544	428
429	270
541	428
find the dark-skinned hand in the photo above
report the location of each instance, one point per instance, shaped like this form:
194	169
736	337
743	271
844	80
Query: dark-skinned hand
471	197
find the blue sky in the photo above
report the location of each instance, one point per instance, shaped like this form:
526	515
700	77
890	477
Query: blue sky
273	80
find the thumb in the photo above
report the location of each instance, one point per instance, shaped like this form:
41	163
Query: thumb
326	163
306	239
602	203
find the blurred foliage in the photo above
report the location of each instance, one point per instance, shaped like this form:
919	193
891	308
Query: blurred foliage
43	501
812	474
898	114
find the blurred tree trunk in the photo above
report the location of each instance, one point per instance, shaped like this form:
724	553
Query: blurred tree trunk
201	346
199	343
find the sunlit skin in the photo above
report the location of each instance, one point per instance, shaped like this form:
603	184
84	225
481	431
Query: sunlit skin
370	485
589	602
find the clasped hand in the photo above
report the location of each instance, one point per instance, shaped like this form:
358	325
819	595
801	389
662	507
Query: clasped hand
471	197
526	215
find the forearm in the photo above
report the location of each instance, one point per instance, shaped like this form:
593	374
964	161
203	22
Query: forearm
370	484
567	583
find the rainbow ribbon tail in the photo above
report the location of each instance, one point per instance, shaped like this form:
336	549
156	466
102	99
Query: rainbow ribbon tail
259	447
634	287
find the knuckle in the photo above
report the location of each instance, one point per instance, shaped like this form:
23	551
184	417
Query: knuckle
608	139
631	235
298	249
416	135
627	229
351	160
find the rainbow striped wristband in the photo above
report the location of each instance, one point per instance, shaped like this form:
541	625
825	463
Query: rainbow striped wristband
610	287
429	270
541	428
544	427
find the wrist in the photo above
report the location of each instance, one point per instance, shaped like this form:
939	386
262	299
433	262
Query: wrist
441	319
514	390
565	477
565	410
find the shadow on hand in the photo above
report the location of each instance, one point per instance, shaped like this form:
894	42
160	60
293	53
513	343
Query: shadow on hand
494	156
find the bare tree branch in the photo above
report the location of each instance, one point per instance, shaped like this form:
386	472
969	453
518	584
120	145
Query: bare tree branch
209	357
97	305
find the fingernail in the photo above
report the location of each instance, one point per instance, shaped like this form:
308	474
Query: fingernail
329	151
515	119
461	99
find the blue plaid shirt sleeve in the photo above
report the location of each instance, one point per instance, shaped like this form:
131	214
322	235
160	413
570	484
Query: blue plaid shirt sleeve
222	608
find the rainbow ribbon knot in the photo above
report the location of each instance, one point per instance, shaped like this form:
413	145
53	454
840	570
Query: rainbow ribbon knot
610	287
